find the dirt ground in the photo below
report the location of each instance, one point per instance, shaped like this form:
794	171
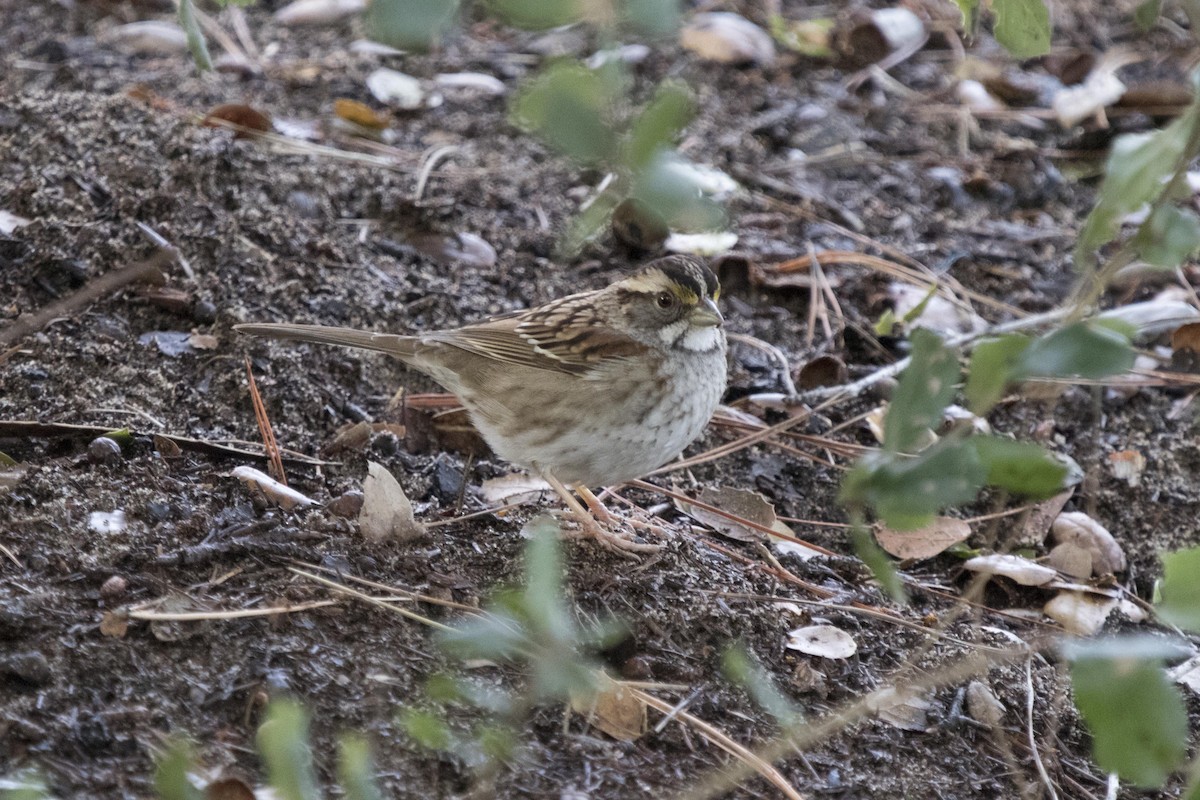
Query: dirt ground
94	141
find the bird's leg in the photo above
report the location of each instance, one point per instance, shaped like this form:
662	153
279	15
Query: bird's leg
588	524
599	511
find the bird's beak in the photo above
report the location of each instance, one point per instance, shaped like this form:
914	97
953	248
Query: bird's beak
706	314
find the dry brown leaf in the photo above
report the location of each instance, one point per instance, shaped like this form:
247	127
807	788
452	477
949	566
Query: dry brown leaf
1128	466
246	120
901	708
825	641
359	114
742	503
727	38
386	511
229	788
1083	531
204	341
114	624
925	542
1038	523
983	705
1071	559
614	709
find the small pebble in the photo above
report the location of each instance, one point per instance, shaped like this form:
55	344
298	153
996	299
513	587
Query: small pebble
204	312
348	504
114	587
104	450
30	667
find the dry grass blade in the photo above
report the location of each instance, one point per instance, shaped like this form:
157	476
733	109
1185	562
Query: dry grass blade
720	512
407	593
713	734
375	601
198	616
11	556
274	462
147	271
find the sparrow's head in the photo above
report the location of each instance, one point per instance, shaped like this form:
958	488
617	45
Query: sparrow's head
672	302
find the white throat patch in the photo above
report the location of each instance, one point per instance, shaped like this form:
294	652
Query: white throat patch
697	340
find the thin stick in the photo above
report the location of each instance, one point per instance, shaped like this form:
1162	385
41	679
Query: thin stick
274	462
144	271
198	616
722	740
1033	749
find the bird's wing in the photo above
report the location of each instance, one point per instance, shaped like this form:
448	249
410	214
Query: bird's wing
565	336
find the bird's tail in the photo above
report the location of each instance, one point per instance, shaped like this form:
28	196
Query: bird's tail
403	347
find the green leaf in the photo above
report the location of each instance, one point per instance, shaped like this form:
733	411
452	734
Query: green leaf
195	37
1135	173
925	390
675	195
543	601
659	124
1180	589
993	367
537	15
28	784
1089	349
569	106
809	37
907	493
1169	237
1136	716
651	17
880	565
409	24
356	772
171	780
427	729
1022	27
916	311
970	16
742	670
283	744
1145	16
1020	467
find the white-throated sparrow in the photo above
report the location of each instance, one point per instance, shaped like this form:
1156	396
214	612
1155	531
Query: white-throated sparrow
593	389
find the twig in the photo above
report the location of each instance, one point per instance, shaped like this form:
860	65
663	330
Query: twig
428	164
722	740
144	271
199	616
274	462
53	429
158	239
858	387
1033	748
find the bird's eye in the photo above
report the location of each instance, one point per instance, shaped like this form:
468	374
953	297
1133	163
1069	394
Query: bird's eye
665	300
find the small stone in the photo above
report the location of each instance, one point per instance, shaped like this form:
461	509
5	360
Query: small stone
204	312
30	668
114	587
637	668
104	450
348	505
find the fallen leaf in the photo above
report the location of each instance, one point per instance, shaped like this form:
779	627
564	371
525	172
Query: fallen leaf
246	120
396	89
822	371
1083	531
822	640
983	706
1041	517
728	38
359	114
901	708
386	512
742	503
104	522
613	708
701	244
148	37
926	542
1071	559
285	497
1080	613
114	624
1016	568
318	12
1187	674
204	341
1128	466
